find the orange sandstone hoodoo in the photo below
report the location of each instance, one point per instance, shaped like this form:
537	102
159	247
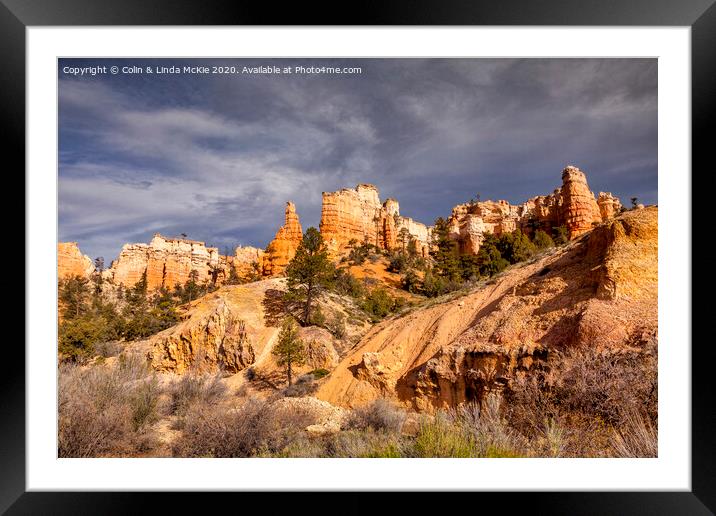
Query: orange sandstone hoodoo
283	247
352	214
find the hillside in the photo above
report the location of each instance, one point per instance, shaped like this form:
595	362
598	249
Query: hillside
599	291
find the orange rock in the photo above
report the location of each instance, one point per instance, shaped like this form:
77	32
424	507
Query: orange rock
167	262
283	247
580	211
573	205
248	260
600	292
71	261
609	206
357	214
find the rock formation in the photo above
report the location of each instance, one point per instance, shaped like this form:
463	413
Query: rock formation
167	262
283	247
215	340
573	206
609	206
71	261
248	261
237	327
600	292
579	210
350	215
358	215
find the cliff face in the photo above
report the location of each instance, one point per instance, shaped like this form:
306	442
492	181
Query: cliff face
283	247
600	291
357	214
167	262
71	261
573	206
248	260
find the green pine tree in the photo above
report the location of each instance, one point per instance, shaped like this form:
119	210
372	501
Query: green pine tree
308	271
289	350
73	294
446	256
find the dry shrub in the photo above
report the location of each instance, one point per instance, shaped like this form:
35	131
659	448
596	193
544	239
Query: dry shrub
605	384
588	404
256	427
441	437
489	431
104	411
108	349
195	389
637	437
362	444
379	414
303	386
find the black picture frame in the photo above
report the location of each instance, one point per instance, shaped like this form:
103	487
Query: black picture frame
700	15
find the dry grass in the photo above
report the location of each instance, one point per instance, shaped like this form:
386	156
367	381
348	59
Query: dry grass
255	427
593	405
104	411
637	437
195	389
379	414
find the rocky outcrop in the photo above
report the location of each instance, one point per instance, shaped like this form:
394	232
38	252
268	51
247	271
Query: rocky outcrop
600	291
609	206
579	210
216	340
71	261
238	325
283	247
248	261
358	215
320	347
167	262
573	206
469	222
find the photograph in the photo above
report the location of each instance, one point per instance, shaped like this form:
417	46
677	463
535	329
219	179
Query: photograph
357	257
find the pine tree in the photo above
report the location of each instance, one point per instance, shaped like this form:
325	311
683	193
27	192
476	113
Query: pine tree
73	293
560	235
542	240
489	258
403	238
192	289
446	253
289	350
309	270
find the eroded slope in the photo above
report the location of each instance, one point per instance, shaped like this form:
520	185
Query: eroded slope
598	291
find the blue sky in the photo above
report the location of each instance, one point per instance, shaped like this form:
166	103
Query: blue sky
217	156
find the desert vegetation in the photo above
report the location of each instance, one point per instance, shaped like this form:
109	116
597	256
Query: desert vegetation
596	405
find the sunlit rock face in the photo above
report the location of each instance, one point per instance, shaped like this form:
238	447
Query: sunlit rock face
71	261
167	262
357	214
580	211
572	206
283	247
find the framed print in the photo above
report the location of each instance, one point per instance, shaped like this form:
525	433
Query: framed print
442	250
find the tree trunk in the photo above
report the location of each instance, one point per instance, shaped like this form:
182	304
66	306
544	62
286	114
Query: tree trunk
307	311
289	371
